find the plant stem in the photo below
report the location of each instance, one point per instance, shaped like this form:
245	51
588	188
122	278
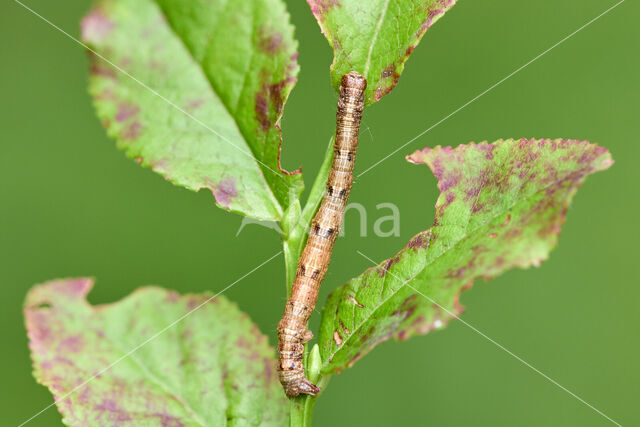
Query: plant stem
301	411
301	407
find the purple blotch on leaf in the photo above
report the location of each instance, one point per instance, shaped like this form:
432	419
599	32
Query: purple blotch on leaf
225	191
319	8
269	42
126	111
96	26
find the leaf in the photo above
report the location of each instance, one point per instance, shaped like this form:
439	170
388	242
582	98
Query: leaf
213	367
199	94
501	206
375	38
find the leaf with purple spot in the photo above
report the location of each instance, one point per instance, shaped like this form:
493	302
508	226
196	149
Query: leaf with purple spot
376	37
501	206
146	361
196	90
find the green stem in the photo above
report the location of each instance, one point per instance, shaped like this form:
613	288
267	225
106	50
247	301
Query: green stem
292	242
301	407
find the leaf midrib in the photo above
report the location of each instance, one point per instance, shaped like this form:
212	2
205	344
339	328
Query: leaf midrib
375	37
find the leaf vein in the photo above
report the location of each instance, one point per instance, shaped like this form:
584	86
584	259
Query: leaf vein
375	37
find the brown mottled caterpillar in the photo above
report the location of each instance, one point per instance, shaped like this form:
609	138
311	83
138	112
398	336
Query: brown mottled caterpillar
314	261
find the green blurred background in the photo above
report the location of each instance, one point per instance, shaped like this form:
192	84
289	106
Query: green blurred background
73	205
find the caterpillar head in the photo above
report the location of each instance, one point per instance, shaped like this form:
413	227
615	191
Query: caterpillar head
354	80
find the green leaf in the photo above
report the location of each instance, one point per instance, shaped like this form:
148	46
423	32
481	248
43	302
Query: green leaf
501	206
375	38
199	93
212	367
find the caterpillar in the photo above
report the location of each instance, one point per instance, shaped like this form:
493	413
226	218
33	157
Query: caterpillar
325	226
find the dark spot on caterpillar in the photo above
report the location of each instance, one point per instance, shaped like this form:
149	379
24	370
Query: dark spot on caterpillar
315	274
329	232
349	156
330	190
302	270
316	229
341	194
